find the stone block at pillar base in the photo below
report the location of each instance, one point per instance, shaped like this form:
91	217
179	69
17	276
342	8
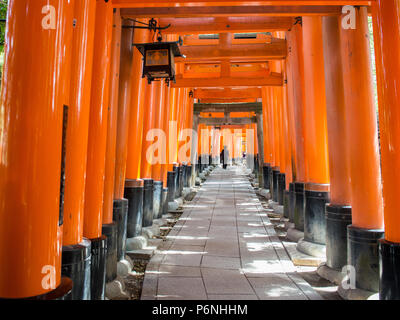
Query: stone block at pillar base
136	243
294	235
124	267
301	259
190	195
356	294
115	290
150	232
197	181
290	225
278	209
179	201
265	193
332	275
312	249
389	263
173	206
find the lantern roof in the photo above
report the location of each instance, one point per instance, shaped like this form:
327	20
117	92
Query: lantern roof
158	45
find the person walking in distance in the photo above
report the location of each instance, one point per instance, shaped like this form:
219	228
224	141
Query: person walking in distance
224	156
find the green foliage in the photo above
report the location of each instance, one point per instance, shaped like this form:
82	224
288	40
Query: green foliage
3	15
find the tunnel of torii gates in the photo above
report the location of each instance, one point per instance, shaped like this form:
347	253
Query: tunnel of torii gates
289	83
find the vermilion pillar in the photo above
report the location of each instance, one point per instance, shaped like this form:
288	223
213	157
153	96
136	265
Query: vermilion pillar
94	190
338	212
167	111
291	121
77	141
98	122
34	91
111	207
135	138
109	181
387	48
124	107
266	137
287	178
315	134
78	121
120	209
172	130
363	154
151	99
297	63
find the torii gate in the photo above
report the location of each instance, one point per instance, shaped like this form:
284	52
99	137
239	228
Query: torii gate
77	64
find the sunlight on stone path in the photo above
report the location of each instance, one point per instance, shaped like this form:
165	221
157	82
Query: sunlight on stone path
224	247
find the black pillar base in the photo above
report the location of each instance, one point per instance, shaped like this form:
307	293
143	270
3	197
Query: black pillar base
62	292
188	176
157	199
176	182
299	207
286	204
292	202
314	214
281	187
337	220
363	255
171	186
164	202
98	268
266	176
182	170
275	174
110	231
389	264
120	216
76	266
148	198
134	194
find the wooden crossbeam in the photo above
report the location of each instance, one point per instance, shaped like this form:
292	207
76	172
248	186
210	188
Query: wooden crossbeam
228	93
209	25
227	121
227	11
274	79
228	107
276	50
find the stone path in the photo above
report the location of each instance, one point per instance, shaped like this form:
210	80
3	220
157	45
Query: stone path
224	247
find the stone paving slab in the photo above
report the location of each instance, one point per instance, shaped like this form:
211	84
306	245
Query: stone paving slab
224	247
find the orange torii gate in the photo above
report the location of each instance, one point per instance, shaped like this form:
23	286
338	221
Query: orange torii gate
75	134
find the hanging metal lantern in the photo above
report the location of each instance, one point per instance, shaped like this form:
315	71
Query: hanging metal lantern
159	60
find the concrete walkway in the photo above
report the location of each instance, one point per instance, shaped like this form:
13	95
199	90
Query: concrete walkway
224	247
